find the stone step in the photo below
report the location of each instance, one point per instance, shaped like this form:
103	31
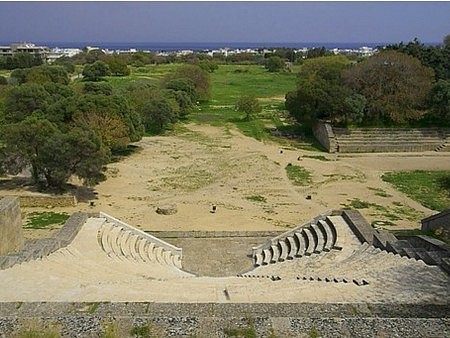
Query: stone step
134	251
267	256
275	253
284	250
293	247
311	241
320	238
303	244
327	234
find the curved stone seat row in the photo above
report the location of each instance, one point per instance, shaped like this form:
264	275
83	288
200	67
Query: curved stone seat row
315	237
122	244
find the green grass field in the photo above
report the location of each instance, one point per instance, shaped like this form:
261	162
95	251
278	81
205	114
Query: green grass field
429	188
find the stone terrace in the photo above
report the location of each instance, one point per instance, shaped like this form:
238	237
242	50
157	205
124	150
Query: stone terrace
368	140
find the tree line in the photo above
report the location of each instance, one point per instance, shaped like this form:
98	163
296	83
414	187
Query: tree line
55	128
401	85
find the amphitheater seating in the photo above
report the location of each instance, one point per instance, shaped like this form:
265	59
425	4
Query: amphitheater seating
315	237
121	243
367	140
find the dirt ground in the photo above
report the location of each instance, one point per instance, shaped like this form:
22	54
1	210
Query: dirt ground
207	166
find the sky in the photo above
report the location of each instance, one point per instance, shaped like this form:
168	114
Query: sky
205	21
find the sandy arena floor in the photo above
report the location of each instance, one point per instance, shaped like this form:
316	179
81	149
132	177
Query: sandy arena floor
209	165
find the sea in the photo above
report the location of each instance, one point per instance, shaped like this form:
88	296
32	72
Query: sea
202	46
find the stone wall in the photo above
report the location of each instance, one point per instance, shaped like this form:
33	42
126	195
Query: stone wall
45	246
225	320
11	233
438	223
323	132
45	201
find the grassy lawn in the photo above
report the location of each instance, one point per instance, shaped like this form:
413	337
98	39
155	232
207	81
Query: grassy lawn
41	220
429	188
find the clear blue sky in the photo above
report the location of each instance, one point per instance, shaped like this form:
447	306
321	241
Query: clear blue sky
224	21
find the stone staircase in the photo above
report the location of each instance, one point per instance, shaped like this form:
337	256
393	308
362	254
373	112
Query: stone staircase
367	140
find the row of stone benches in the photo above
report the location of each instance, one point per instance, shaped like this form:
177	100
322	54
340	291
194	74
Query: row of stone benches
314	237
121	243
40	248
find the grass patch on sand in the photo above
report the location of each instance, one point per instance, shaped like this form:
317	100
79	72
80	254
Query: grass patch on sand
317	157
298	175
429	188
42	220
380	192
256	198
385	215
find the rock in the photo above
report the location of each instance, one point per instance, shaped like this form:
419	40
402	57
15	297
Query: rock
167	209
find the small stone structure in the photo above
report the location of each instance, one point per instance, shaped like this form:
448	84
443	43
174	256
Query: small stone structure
11	234
169	209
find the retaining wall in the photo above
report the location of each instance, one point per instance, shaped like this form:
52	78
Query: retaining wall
44	247
45	201
439	222
216	319
323	132
11	233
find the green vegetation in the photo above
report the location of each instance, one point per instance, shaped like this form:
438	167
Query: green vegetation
387	215
429	188
317	157
380	192
42	220
256	198
242	332
34	329
141	331
298	175
314	333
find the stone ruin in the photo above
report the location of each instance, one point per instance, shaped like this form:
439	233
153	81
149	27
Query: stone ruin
333	275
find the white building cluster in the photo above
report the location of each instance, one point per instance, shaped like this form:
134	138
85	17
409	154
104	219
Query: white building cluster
50	54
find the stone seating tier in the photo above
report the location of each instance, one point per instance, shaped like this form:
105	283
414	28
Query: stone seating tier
391	140
318	235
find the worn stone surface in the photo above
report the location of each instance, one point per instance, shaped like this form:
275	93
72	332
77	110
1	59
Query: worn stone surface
11	233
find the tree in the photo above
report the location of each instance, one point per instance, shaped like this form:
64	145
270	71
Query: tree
53	156
46	73
184	85
22	144
117	66
395	85
209	66
159	112
319	91
22	60
198	76
96	71
274	64
249	105
21	101
440	102
113	132
97	88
